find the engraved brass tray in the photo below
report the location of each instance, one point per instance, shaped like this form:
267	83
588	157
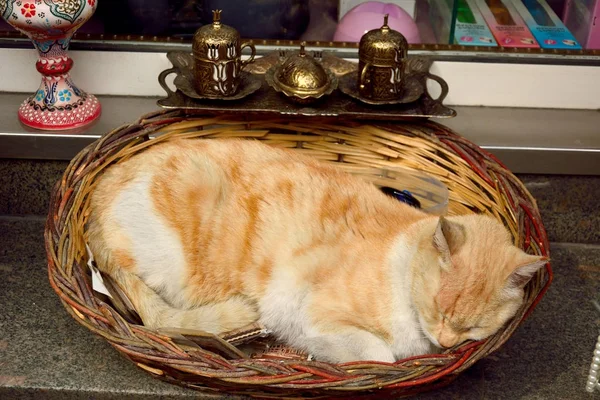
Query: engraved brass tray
266	101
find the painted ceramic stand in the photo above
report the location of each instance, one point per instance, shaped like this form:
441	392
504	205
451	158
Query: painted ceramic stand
58	103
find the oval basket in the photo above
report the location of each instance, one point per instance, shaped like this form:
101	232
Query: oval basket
476	181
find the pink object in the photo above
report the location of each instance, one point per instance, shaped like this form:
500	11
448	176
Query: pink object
58	103
582	18
367	16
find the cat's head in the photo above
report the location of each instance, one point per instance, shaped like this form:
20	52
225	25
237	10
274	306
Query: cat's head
468	279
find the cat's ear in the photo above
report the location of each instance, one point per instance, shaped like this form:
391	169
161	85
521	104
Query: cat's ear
448	238
526	266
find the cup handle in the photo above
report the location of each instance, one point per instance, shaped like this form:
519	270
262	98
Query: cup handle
363	75
162	79
442	84
248	61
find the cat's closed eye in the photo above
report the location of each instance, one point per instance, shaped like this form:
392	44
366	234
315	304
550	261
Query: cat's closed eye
465	329
459	326
472	328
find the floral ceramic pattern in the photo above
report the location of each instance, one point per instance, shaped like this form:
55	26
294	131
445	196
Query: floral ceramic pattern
28	10
59	119
58	103
67	9
64	95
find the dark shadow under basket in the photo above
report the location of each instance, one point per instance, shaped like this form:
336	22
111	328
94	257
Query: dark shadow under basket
477	182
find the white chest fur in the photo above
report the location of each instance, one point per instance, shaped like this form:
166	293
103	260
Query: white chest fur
409	338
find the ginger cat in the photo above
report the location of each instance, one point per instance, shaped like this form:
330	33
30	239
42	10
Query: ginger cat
217	234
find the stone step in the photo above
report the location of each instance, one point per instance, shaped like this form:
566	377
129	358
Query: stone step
45	354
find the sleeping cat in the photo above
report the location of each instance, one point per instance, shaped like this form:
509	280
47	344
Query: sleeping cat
217	234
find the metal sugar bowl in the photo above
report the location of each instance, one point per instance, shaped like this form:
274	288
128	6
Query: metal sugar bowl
301	78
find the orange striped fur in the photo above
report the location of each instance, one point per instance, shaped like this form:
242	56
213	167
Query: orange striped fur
216	234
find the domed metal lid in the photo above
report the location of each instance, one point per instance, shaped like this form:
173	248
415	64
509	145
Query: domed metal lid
215	35
300	75
382	44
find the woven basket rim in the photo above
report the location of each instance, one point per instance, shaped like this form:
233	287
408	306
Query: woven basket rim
440	150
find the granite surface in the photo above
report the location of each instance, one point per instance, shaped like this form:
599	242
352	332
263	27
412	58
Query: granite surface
569	204
25	185
45	354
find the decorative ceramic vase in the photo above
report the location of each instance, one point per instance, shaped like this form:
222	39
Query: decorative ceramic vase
58	103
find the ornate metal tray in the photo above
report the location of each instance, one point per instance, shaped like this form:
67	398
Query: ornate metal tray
268	102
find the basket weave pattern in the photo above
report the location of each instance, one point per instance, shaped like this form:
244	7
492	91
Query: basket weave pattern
477	182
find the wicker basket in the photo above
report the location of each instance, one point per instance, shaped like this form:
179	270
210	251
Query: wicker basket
477	182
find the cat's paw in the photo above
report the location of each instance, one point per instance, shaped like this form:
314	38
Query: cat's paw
355	345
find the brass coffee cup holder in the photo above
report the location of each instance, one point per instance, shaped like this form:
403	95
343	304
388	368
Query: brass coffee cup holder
218	65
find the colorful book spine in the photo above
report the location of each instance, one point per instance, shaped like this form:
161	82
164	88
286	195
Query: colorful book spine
506	24
470	27
544	24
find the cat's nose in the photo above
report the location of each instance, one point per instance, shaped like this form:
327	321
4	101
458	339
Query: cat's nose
447	340
447	343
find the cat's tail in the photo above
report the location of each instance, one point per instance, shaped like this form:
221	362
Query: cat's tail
155	312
